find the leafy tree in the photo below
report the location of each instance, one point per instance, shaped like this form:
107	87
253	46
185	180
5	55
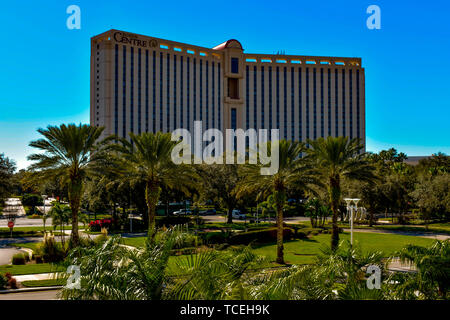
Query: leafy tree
267	206
7	169
32	200
69	153
339	158
293	172
147	159
432	195
437	164
219	182
317	212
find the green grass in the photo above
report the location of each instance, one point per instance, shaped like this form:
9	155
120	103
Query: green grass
29	245
30	231
44	283
443	227
135	242
29	269
304	251
37	228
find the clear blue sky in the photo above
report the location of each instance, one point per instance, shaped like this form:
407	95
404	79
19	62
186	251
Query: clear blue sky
45	67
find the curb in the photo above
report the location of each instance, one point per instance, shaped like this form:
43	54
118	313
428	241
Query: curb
30	289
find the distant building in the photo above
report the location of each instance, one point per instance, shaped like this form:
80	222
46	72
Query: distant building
414	160
141	83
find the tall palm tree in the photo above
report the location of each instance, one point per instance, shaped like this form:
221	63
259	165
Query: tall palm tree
147	158
67	154
294	172
60	216
339	158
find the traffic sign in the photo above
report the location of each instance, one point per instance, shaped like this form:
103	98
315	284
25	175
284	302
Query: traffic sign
10	224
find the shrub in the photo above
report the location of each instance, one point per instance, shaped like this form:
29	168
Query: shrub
38	258
301	235
3	282
98	225
260	236
50	250
171	221
12	283
102	237
214	237
18	259
190	240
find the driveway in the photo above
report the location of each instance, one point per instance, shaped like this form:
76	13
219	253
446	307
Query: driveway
6	254
35	295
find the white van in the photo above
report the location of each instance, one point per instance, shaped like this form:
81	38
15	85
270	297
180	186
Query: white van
237	214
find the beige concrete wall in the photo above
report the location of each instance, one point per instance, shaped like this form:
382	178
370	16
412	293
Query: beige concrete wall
211	101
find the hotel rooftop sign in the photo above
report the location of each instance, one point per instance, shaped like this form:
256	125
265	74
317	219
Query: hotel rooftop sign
129	38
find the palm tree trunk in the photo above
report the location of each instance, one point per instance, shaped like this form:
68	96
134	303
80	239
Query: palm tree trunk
152	192
280	247
335	196
74	191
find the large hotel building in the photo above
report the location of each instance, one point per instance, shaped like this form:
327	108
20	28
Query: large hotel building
141	83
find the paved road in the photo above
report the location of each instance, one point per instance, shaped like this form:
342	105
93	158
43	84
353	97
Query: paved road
25	222
437	236
218	218
6	255
35	295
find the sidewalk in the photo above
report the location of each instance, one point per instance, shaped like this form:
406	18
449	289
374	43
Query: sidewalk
39	276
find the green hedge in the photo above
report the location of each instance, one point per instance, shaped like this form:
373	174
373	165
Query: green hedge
260	236
171	221
20	258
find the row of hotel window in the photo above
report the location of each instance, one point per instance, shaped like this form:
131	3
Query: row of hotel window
233	92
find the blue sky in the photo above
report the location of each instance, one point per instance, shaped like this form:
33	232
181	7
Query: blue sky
45	66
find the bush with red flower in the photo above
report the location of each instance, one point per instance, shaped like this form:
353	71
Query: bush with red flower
97	225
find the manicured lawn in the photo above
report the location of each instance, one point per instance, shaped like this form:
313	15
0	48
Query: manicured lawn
303	251
37	228
29	269
29	245
45	283
443	227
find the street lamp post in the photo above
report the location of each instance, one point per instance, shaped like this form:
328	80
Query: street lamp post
351	208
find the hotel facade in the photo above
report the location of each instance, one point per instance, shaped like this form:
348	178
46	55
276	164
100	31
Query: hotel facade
145	84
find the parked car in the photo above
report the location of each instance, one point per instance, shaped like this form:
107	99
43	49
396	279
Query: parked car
208	212
237	214
182	212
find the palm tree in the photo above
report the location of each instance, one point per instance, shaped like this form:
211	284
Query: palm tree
294	172
60	217
113	271
147	158
432	279
67	154
339	158
337	274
